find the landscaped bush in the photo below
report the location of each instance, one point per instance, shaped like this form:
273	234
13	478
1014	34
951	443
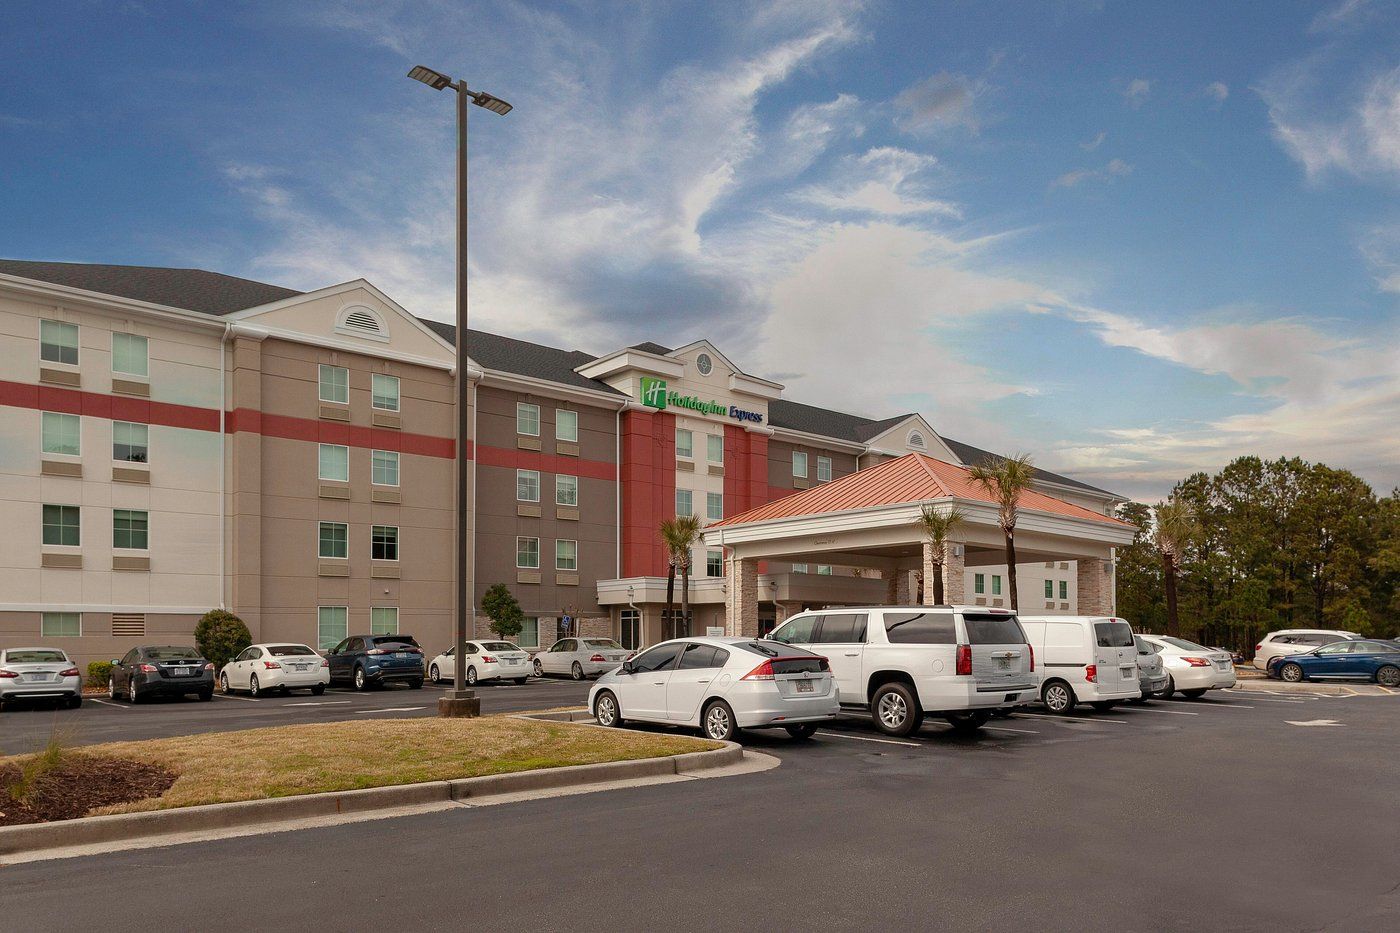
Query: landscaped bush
221	636
98	672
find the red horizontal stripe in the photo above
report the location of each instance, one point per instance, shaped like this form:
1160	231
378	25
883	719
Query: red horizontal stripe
545	463
112	407
312	430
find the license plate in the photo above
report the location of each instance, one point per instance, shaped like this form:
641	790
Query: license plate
402	654
299	667
182	672
1004	664
1129	673
804	686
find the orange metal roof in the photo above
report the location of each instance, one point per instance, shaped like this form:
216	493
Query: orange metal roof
911	478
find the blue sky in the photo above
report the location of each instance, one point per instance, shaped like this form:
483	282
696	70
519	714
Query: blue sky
1134	239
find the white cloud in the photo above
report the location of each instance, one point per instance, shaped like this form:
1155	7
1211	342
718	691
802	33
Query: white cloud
941	100
1361	137
1114	168
1136	91
1094	143
882	181
1217	91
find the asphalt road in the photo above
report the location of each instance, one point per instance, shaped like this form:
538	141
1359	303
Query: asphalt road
1217	814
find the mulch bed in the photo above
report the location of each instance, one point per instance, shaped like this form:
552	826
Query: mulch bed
78	784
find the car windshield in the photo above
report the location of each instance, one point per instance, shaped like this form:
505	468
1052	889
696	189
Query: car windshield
35	656
172	654
602	643
500	646
986	628
1183	643
288	651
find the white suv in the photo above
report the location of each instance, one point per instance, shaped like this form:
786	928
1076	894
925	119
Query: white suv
1296	641
904	662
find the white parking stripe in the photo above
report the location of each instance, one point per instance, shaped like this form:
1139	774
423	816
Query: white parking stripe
866	738
108	703
320	703
1169	712
225	696
392	709
1217	704
1119	722
1005	729
1258	699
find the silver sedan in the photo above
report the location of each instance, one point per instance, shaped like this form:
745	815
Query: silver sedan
580	657
39	673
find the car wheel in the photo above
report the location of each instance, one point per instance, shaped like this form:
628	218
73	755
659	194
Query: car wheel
206	696
1293	673
520	681
1166	694
803	730
471	676
576	672
718	720
1193	694
131	694
1388	676
111	688
896	709
415	685
318	690
966	723
539	669
254	688
223	683
361	683
1058	697
605	710
433	674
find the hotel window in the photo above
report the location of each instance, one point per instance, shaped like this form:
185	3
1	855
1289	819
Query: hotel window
130	529
1049	589
60	625
714	563
384	467
799	464
714	506
631	634
714	448
384	542
130	442
58	342
684	504
130	355
565	555
385	392
527	485
824	570
996	584
333	463
1064	589
565	425
384	620
62	434
527	419
529	636
978	583
61	525
334	540
799	568
566	490
335	384
685	446
332	625
527	553
823	469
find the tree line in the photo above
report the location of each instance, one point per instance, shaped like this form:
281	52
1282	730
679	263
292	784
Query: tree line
1263	545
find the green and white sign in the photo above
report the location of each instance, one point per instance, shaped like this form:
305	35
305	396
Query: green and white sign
655	395
653	392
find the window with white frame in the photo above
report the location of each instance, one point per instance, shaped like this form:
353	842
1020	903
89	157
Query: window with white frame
824	570
685	443
130	355
333	463
996	584
384	542
714	563
799	464
334	541
529	636
823	469
714	506
384	620
565	555
1049	589
131	529
384	390
384	467
332	626
60	624
799	568
684	503
566	490
62	525
62	434
130	442
527	553
527	419
1064	589
335	384
565	425
714	448
58	342
979	583
527	485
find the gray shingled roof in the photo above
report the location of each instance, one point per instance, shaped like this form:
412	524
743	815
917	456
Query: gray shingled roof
191	289
508	355
648	347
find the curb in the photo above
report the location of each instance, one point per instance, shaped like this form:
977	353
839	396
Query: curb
156	823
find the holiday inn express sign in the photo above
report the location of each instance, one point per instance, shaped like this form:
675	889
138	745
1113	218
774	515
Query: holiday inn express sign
656	395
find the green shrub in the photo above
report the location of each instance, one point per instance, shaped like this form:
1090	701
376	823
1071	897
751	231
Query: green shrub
221	636
98	672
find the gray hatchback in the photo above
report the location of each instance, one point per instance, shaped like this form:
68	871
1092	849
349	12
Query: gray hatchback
1152	675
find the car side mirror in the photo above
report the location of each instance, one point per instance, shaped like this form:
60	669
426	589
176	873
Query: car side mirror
626	667
116	662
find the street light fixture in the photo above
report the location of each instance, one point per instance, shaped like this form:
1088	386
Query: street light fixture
461	701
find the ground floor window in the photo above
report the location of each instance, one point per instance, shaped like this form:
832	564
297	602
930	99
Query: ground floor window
529	636
61	625
332	626
1049	589
682	623
631	634
1064	589
384	620
824	570
979	584
996	584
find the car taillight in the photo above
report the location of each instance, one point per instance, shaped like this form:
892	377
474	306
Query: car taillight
377	651
148	669
763	672
487	659
7	674
823	664
1031	649
71	672
272	666
1091	673
1259	647
209	666
964	662
325	663
596	658
1197	662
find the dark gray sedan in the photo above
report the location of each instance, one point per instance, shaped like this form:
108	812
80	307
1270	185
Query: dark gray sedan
161	670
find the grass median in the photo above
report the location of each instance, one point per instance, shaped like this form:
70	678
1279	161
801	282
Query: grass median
309	759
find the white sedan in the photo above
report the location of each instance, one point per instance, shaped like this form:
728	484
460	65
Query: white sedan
39	673
1192	669
720	685
274	666
486	660
580	657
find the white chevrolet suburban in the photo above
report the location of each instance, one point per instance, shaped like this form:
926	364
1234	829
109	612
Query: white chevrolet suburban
902	663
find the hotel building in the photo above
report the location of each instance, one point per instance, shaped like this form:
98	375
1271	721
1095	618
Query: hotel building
175	440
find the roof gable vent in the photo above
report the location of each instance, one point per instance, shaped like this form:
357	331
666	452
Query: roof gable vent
360	321
916	439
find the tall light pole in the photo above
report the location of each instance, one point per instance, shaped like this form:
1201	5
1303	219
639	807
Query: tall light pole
461	701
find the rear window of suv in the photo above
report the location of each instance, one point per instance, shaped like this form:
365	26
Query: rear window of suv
923	628
1114	634
989	628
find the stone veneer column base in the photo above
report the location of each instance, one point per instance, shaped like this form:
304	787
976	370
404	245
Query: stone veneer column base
954	570
741	598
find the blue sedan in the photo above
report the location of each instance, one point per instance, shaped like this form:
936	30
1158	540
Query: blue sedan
1343	660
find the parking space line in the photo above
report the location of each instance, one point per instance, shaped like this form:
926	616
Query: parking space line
1119	722
1211	705
1254	699
393	709
1005	729
1169	712
225	696
108	703
320	703
867	738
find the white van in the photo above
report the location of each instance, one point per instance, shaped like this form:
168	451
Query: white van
1084	659
904	662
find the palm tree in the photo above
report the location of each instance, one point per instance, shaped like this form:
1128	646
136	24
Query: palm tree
1177	527
678	535
1006	481
938	526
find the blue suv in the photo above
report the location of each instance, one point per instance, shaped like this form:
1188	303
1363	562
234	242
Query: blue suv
366	661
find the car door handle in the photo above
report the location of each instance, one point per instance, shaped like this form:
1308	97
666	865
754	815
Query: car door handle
852	654
658	683
702	681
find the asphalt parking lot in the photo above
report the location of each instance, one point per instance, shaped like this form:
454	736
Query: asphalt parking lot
1239	811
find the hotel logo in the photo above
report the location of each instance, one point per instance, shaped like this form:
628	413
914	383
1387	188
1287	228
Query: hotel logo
653	392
